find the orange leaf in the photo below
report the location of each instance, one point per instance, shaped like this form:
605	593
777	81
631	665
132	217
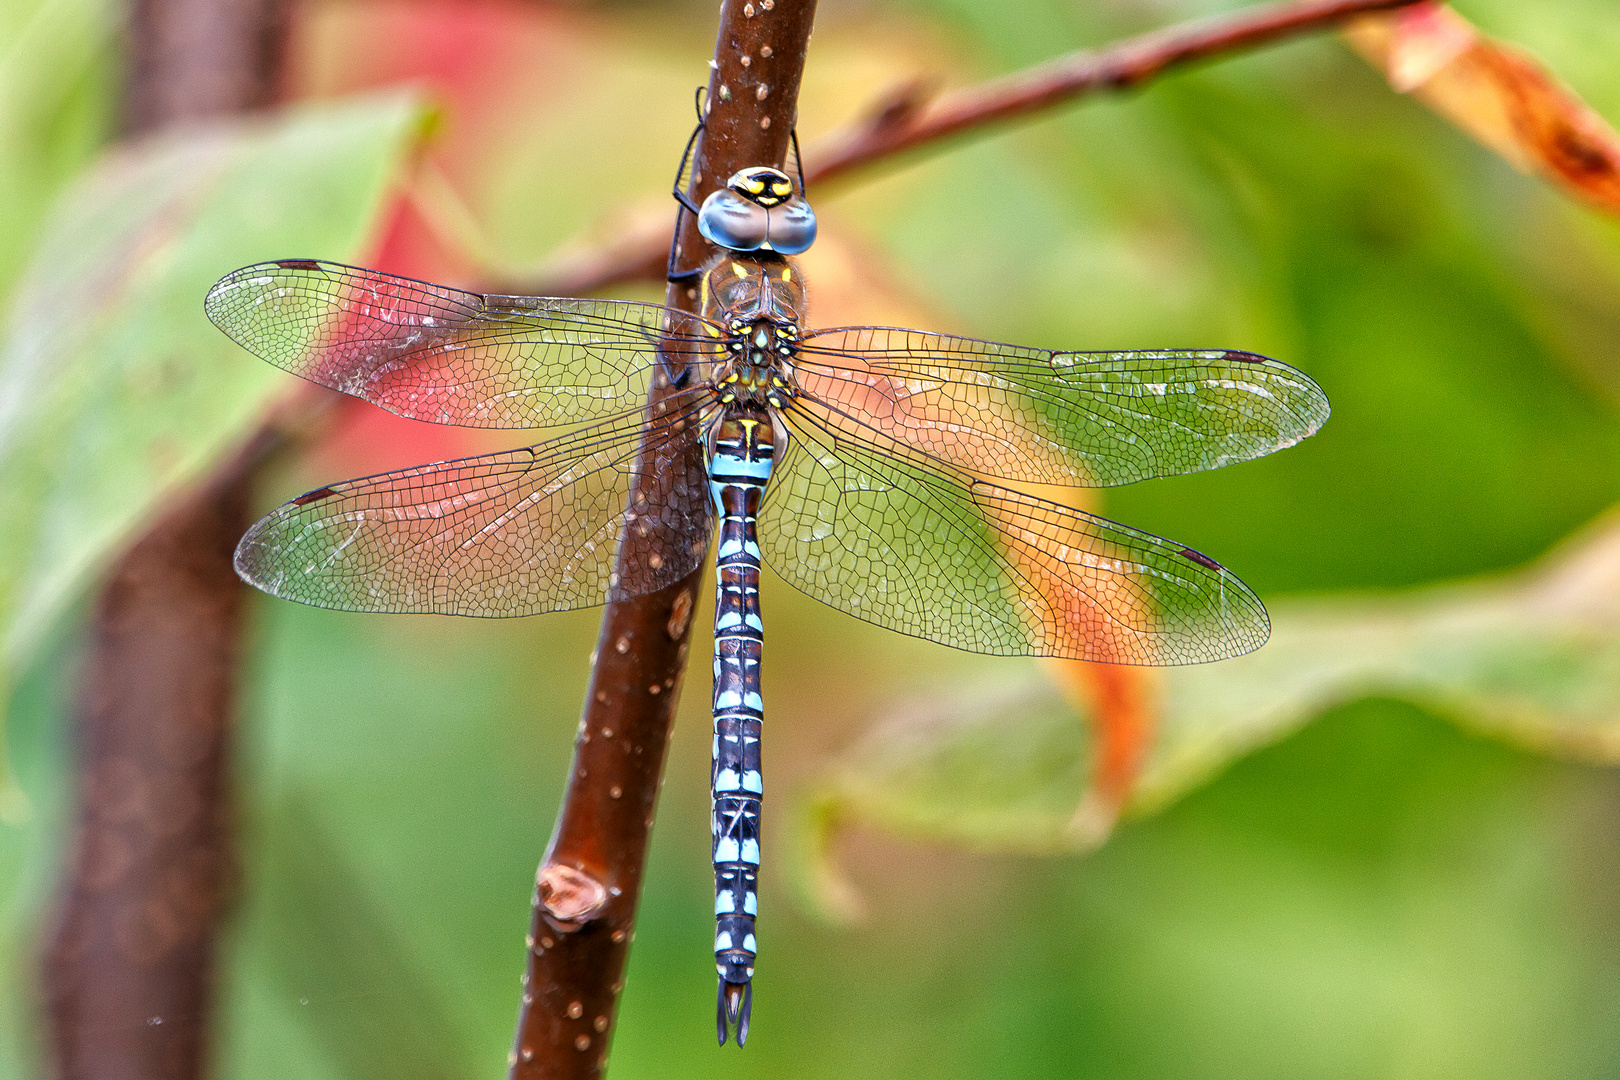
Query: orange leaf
1499	94
1116	698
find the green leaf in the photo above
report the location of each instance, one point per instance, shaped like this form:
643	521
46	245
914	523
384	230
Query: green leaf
340	953
114	389
1533	659
55	108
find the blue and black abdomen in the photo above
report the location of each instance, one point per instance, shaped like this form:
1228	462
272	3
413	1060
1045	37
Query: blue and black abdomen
739	468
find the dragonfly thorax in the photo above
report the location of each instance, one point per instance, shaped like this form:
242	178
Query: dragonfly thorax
758	367
753	286
757	304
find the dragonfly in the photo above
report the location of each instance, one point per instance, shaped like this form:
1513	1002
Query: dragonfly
882	471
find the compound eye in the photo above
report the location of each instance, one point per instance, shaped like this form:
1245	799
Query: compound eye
728	220
791	227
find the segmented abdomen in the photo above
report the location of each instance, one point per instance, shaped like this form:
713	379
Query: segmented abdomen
739	468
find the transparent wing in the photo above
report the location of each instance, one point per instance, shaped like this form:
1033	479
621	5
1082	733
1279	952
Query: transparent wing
1092	419
443	355
886	535
514	533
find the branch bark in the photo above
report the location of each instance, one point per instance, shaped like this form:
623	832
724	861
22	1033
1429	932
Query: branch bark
907	121
588	885
128	960
904	125
195	59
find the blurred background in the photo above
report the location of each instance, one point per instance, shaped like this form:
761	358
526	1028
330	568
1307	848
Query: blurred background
1387	882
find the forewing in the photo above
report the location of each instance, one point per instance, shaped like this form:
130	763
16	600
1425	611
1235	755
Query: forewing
439	354
1093	419
890	537
515	533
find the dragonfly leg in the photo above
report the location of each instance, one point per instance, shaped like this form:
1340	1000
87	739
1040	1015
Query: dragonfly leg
671	274
685	201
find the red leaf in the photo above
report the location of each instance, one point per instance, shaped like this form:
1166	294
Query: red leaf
1500	95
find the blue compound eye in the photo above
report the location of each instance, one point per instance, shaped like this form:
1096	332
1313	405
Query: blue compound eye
728	220
791	227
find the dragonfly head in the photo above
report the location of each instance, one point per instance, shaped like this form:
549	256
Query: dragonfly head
763	185
758	211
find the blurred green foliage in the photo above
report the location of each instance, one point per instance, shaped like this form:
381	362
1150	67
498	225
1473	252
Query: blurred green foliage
1380	895
115	391
56	108
1532	659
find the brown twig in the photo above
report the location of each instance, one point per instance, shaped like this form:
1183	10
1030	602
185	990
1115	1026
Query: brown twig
195	59
906	120
129	957
588	884
1127	64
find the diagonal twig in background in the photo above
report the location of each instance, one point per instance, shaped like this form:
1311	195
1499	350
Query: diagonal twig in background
908	121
